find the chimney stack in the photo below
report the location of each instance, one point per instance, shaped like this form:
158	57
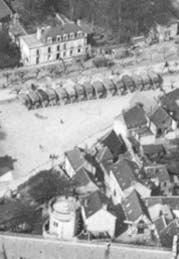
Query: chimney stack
39	33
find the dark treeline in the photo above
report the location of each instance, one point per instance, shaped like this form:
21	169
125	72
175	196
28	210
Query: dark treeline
123	17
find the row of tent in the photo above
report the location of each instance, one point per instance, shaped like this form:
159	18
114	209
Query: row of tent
43	97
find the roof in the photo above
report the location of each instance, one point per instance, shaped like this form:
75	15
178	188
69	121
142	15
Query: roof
123	171
152	149
133	207
104	154
115	143
32	41
93	203
82	177
109	84
4	10
6	164
167	234
161	118
76	158
135	117
66	28
166	19
160	224
159	171
127	80
98	86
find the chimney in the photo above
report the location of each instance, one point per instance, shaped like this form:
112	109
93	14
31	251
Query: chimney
78	22
39	33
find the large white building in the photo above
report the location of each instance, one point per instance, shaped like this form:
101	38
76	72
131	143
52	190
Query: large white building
50	44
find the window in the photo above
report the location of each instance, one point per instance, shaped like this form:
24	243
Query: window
64	54
49	56
79	49
37	52
114	193
72	36
71	51
58	47
79	34
65	46
53	40
37	60
49	39
49	49
58	38
57	56
55	224
65	37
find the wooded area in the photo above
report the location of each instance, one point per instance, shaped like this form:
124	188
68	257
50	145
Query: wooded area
122	17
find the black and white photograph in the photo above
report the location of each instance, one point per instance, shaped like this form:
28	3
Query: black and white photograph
89	129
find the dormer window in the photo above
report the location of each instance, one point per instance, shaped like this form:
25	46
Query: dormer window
80	34
65	37
49	39
58	38
72	35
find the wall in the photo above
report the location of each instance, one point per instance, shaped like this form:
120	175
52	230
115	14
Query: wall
28	247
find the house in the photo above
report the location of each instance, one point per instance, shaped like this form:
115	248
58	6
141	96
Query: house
5	14
6	167
159	175
166	230
118	177
133	122
159	209
74	161
136	212
114	143
164	29
97	219
170	102
84	182
161	122
49	44
152	152
16	30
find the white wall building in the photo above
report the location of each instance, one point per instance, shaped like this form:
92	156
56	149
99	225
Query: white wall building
64	217
50	44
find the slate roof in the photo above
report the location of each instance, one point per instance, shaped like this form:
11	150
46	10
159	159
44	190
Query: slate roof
160	224
104	154
123	171
152	149
82	177
115	143
135	117
134	207
161	118
93	203
67	28
4	10
76	158
167	234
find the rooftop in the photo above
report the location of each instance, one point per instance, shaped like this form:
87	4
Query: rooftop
135	117
161	118
124	172
6	164
133	207
76	158
94	202
4	10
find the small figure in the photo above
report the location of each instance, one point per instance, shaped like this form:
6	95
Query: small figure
61	121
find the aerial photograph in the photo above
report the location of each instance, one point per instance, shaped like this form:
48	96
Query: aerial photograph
89	129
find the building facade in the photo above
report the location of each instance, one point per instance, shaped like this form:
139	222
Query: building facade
50	44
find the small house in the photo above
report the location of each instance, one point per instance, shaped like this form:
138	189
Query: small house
97	219
136	213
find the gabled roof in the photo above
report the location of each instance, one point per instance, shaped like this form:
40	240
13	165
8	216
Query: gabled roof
135	117
4	10
134	207
123	171
161	118
62	29
76	158
93	203
82	177
152	149
115	143
104	154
